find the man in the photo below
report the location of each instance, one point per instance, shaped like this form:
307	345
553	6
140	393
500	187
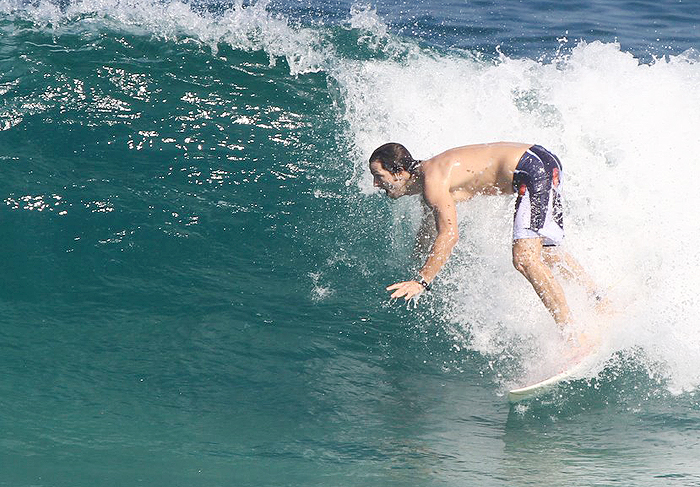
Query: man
458	174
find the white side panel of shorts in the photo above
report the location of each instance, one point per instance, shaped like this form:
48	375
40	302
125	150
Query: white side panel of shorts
552	233
521	223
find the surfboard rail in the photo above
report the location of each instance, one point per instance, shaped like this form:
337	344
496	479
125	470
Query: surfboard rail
532	390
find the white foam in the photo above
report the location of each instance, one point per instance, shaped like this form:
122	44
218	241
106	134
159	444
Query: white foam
627	135
249	27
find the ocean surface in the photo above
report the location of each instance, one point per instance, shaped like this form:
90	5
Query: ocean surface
194	258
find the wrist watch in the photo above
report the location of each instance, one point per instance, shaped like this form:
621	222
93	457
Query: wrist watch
424	283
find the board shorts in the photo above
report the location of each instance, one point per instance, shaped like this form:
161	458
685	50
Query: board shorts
538	209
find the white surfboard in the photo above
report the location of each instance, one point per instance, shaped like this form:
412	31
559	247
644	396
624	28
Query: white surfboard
572	371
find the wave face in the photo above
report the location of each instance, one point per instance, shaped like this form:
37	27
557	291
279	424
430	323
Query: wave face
195	258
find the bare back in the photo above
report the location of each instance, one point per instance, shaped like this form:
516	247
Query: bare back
475	169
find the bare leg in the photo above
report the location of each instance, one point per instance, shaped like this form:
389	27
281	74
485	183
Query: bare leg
564	262
528	259
569	267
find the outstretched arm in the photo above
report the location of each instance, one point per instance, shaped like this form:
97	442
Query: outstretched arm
442	204
445	212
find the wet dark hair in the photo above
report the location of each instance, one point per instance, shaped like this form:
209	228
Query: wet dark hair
394	158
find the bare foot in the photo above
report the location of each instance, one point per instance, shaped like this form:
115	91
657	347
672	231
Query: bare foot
579	346
603	306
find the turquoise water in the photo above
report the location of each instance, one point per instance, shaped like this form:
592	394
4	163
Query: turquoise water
195	260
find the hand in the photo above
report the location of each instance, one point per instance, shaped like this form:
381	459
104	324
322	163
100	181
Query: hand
408	290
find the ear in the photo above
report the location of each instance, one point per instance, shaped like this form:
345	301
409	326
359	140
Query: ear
401	175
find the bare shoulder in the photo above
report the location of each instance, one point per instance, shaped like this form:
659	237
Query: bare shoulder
437	172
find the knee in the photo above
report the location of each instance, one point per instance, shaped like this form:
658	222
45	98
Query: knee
521	262
524	260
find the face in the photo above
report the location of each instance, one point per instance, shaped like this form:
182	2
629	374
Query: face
393	184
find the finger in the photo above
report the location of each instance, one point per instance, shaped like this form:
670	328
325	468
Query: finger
395	286
411	295
399	293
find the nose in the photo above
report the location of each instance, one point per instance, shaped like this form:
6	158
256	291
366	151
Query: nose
375	183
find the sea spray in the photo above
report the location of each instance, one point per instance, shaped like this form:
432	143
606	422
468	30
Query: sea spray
240	26
626	134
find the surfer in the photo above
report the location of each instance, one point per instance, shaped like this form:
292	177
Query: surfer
503	168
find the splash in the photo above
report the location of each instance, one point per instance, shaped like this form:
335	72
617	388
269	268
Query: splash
625	132
242	26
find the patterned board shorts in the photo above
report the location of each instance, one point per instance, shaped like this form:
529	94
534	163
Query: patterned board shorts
538	209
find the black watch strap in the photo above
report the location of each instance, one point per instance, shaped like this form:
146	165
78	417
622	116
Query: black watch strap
424	283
